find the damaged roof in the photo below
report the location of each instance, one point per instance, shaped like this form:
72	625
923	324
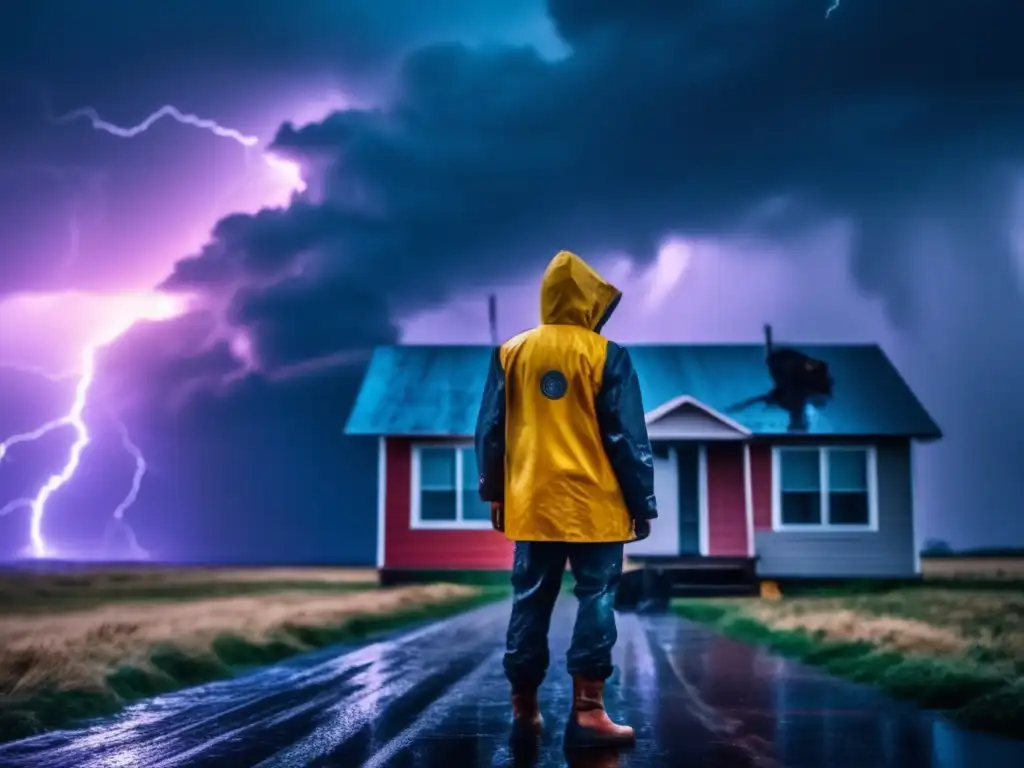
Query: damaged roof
435	390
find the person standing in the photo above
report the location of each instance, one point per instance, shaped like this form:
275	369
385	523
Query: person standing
566	464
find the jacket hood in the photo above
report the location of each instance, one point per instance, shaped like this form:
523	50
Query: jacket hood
573	293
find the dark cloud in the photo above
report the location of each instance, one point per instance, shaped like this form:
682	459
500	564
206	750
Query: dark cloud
301	319
123	39
245	246
162	365
898	118
682	117
243	64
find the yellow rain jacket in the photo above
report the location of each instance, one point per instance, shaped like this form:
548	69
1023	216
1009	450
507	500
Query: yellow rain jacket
561	438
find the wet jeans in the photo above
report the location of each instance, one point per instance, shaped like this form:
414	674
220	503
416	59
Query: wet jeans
537	571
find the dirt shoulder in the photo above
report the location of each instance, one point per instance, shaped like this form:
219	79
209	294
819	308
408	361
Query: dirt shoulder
56	666
958	650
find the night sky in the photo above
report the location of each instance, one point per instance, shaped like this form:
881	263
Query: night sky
854	175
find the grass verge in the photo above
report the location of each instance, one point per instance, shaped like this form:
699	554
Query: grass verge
43	689
950	651
74	588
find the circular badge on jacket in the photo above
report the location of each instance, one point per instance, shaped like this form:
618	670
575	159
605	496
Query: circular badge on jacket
553	385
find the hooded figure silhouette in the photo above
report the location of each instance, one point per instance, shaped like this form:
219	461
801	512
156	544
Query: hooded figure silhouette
566	463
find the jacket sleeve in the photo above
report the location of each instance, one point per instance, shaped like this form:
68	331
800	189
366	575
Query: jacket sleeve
490	434
620	417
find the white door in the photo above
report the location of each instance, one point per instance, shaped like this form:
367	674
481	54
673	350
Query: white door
664	538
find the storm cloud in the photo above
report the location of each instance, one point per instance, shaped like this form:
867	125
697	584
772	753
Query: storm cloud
684	118
476	156
899	123
65	188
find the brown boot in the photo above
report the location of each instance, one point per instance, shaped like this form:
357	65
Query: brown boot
589	724
526	718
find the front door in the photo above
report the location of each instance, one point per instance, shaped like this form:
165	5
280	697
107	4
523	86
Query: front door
687	497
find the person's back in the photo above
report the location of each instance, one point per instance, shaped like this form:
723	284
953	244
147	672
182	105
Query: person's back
565	461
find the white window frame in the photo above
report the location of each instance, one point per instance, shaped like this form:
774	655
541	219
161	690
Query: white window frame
458	524
823	451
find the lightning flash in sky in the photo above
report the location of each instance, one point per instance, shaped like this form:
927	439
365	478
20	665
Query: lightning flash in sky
155	307
74	419
832	8
289	170
168	110
117	522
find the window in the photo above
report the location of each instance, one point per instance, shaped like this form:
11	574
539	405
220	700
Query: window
445	491
848	502
825	488
800	475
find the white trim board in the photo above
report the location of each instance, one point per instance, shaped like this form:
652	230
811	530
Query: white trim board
913	509
823	452
382	497
418	524
702	499
748	498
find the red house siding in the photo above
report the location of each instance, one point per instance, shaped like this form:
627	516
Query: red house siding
412	549
407	548
727	507
761	484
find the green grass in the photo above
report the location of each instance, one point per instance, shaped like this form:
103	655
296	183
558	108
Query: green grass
171	668
976	690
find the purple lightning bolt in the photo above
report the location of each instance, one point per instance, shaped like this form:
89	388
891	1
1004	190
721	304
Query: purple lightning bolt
156	307
140	472
74	419
168	110
288	171
118	521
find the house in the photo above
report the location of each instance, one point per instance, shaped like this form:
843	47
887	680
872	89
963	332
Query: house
834	500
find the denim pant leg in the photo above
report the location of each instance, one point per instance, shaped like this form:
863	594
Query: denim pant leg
597	569
537	571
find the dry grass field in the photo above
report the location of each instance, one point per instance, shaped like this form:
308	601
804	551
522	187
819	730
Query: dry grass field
70	588
957	649
80	649
955	623
79	642
967	567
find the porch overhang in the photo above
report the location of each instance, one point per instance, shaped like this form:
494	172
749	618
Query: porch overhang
687	418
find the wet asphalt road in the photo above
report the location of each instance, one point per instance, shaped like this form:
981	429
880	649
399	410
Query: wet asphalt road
436	698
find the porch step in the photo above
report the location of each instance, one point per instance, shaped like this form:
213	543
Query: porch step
659	579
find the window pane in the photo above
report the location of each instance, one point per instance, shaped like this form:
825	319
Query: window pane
848	508
438	505
801	470
472	507
470	475
801	508
437	468
847	470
